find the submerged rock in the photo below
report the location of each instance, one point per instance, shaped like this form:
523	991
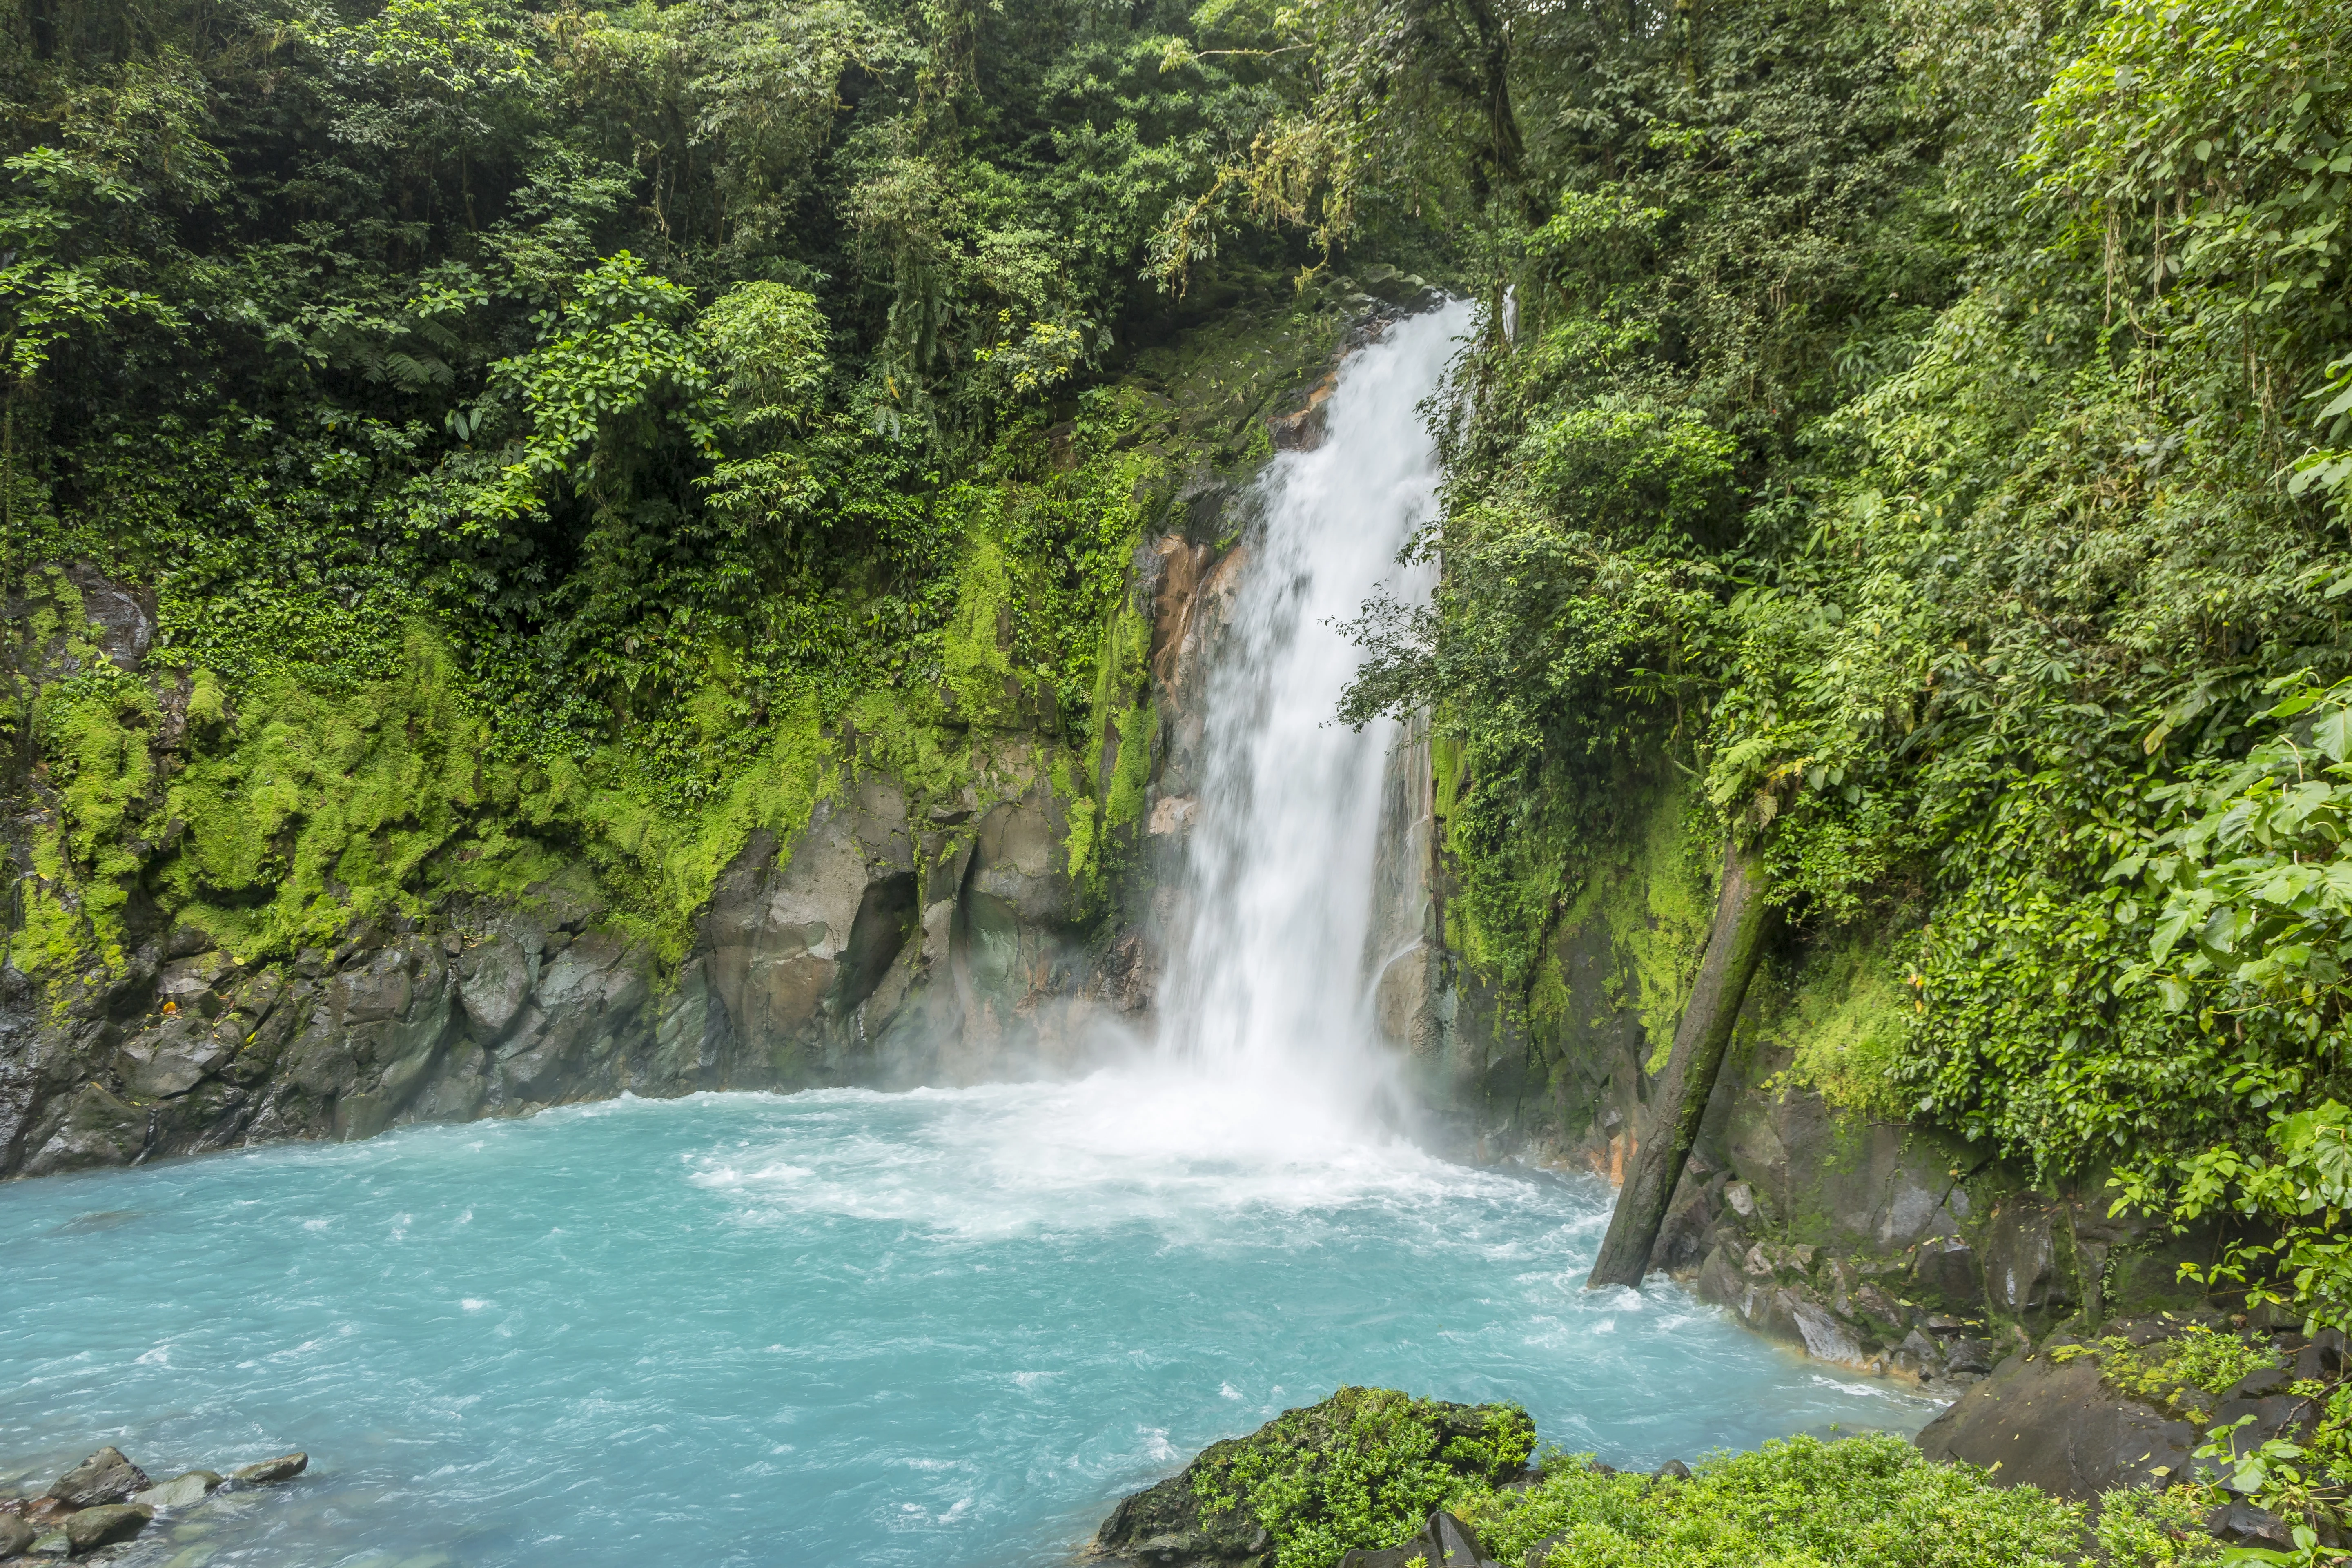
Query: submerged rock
180	1491
284	1468
106	1477
46	1513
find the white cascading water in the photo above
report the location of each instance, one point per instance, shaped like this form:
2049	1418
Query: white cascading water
1267	989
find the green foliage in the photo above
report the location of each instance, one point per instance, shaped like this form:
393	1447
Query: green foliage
1924	423
1861	1501
2185	1372
1845	1023
1362	1468
544	428
2250	947
656	357
2157	1529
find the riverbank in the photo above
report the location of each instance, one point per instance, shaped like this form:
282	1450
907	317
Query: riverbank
1373	1478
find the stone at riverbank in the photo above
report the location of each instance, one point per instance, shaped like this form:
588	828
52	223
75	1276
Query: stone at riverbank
106	1477
1441	1541
2033	1423
106	1500
2129	1409
92	1528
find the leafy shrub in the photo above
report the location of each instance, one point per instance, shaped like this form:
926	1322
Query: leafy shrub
2197	1360
1870	1501
1362	1468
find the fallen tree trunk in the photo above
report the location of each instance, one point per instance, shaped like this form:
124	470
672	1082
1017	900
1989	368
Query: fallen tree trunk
1733	944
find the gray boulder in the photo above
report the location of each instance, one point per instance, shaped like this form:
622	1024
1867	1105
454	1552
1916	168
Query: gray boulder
98	1129
2059	1428
106	1477
95	1527
16	1535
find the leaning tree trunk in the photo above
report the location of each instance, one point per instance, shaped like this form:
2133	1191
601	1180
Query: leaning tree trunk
1732	946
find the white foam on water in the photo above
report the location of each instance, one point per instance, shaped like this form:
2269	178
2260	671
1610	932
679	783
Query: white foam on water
1160	1143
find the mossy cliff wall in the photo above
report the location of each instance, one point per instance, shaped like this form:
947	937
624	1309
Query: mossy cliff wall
1811	1206
305	902
281	913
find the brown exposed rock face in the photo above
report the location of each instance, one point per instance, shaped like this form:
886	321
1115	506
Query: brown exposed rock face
1304	431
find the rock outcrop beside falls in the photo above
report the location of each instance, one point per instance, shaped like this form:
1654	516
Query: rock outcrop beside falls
888	944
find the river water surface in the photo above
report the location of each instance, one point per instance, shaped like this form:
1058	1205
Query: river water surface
938	1327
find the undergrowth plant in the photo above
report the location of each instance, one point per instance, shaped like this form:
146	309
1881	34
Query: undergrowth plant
1870	1501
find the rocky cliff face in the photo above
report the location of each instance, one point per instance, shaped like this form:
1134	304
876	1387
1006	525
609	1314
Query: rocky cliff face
890	943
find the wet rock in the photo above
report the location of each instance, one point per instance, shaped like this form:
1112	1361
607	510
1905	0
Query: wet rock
95	1527
106	1477
123	612
55	1543
184	979
284	1468
180	1491
1163	1526
16	1535
2258	1385
2323	1358
98	1129
47	1512
1682	1240
1887	1318
1718	1277
1963	1354
1947	1267
1303	431
1824	1337
2059	1428
2021	1273
493	982
170	1061
2241	1524
1919	1355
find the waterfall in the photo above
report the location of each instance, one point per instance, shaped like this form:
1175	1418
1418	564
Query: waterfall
1267	989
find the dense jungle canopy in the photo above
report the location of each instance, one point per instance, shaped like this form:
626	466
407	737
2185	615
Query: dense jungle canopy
1920	424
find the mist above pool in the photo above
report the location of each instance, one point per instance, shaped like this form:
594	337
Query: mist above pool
940	1328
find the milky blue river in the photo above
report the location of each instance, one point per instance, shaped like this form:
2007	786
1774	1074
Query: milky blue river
944	1328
